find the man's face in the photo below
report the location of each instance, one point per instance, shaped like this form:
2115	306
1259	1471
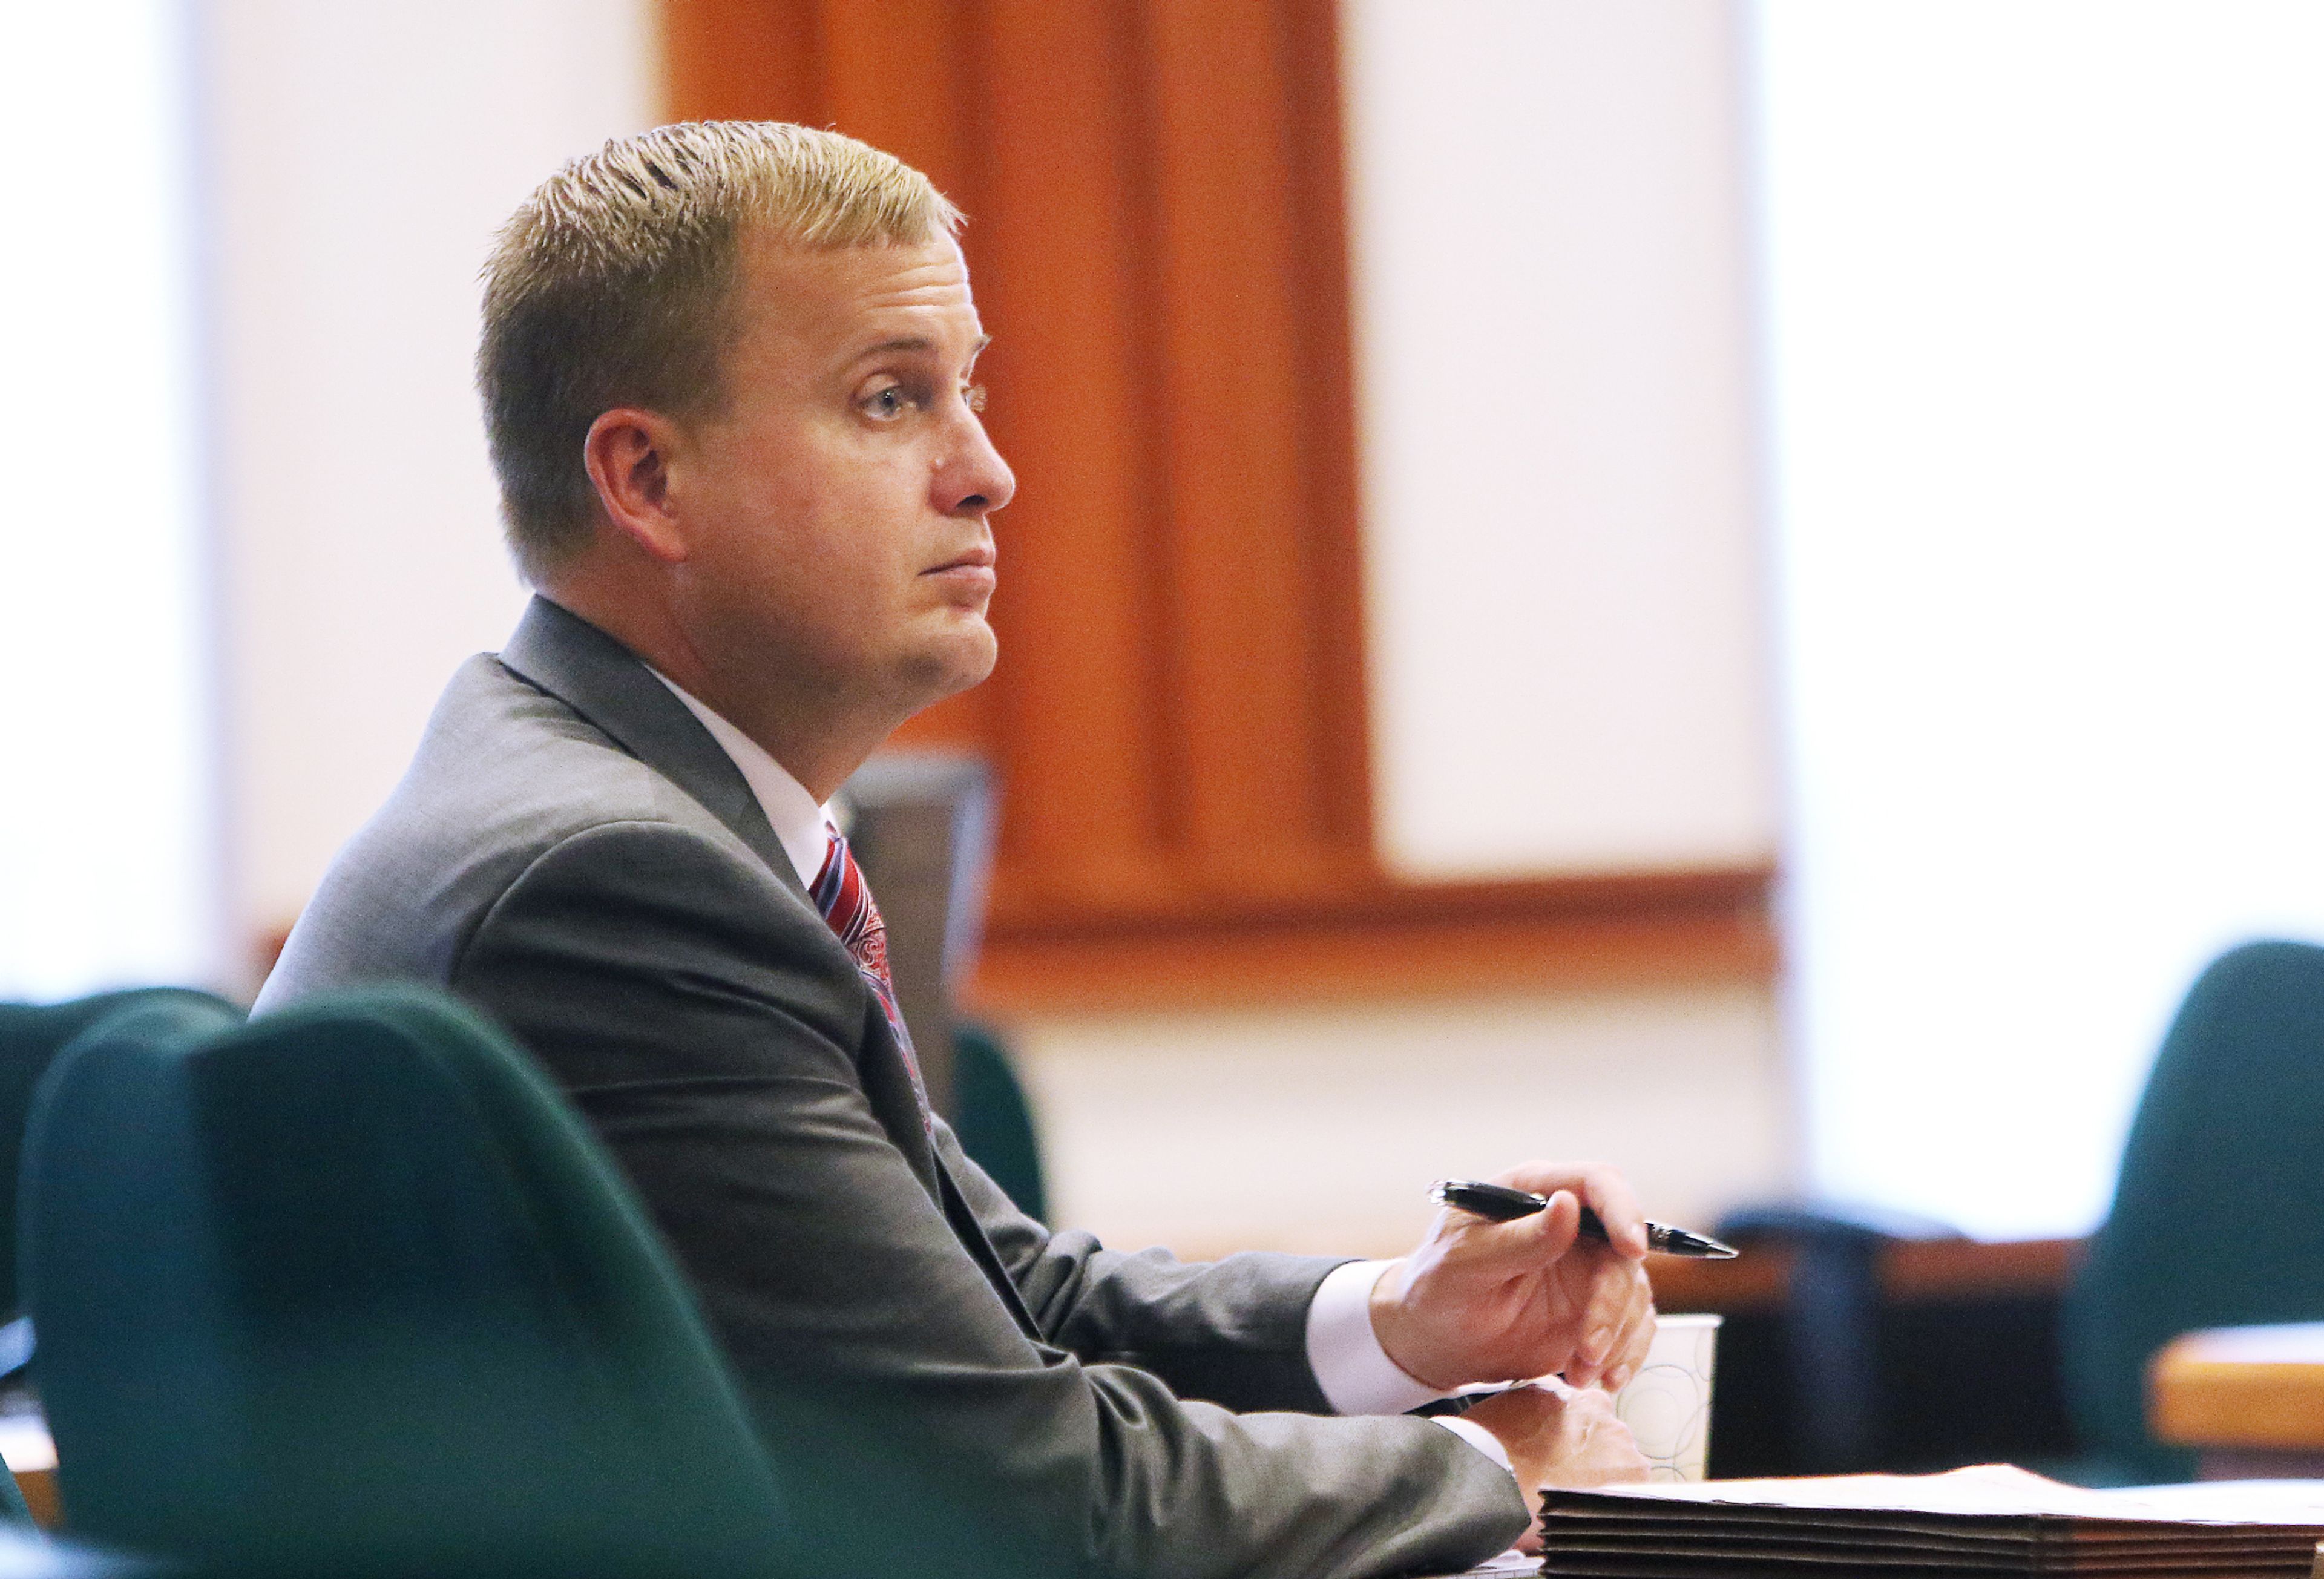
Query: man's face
840	545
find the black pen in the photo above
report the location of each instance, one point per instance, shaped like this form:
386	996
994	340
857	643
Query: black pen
1500	1204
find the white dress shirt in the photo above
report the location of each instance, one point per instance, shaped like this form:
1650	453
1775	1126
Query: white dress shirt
1354	1372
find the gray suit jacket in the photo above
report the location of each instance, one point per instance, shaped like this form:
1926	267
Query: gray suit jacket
572	852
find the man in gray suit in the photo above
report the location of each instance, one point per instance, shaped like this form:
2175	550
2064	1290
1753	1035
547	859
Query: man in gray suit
727	378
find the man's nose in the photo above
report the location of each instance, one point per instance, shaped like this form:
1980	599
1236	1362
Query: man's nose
976	481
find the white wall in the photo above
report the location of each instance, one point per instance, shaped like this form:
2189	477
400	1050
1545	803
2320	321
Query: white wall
2045	280
361	154
107	808
1318	1129
1562	523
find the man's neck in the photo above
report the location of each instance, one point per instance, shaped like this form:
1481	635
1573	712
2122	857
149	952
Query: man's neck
820	746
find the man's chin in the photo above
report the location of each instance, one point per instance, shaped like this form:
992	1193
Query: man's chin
962	661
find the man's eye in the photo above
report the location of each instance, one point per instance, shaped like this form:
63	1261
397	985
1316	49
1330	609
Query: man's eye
889	403
974	395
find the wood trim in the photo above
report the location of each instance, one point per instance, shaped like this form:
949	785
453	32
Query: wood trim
1932	1271
1919	1271
1392	942
2250	1388
1758	1280
1386	940
1063	248
741	60
1241	375
1324	314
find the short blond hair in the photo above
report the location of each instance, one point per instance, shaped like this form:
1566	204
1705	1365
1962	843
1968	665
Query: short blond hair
613	285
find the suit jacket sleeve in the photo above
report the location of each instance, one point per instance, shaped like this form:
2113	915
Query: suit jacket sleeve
1233	1331
684	998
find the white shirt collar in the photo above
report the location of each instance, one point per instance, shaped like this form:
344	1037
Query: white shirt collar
797	821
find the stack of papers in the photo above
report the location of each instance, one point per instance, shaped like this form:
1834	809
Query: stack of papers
1970	1524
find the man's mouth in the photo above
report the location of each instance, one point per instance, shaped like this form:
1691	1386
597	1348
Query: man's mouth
978	558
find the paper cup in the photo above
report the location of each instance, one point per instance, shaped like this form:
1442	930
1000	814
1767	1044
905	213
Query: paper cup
1667	1405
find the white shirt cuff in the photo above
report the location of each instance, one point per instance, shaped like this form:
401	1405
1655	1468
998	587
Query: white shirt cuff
1354	1372
1476	1436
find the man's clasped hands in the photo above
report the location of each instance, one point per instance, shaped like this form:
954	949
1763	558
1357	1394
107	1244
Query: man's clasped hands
1530	1300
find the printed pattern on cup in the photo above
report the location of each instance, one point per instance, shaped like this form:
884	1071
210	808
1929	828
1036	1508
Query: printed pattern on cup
1667	1405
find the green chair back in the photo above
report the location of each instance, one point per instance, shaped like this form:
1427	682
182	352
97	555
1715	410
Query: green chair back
349	1289
31	1037
2218	1212
994	1121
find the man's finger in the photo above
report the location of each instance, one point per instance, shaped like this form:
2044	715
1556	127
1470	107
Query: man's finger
1609	1195
1547	1234
1630	1353
1610	1303
1630	1346
1602	1188
1524	1243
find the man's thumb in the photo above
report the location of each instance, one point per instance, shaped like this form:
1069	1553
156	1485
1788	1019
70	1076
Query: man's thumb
1553	1230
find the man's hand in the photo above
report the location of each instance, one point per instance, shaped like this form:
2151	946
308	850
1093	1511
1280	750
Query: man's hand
1559	1436
1484	1301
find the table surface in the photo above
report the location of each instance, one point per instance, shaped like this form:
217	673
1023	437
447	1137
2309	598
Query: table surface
2251	1387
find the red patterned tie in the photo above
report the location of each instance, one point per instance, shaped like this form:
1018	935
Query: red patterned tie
844	899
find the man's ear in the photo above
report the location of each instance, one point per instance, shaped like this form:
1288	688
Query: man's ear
627	453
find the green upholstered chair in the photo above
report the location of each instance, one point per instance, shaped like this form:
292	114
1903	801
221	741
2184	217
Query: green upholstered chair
994	1119
2218	1214
31	1037
351	1290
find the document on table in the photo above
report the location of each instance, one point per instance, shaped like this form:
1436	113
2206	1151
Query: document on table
1990	1521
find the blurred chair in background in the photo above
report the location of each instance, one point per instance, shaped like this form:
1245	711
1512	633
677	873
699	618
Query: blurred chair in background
351	1289
31	1037
994	1118
1837	1402
2218	1211
1893	1345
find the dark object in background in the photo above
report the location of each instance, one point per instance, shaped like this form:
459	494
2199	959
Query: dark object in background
1830	1336
1886	1344
1972	1378
1826	1347
2218	1212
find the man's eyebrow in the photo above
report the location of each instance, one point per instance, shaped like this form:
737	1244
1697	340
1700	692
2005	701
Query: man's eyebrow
915	345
